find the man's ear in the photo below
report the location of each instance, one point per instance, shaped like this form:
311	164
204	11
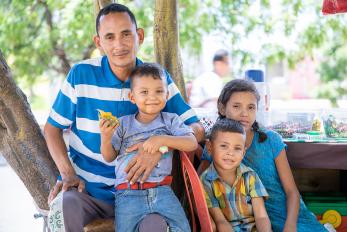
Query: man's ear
141	35
131	97
96	40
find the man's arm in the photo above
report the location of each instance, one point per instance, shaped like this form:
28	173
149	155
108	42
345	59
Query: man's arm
199	131
58	151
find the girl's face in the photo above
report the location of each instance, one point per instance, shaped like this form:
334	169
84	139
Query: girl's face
242	107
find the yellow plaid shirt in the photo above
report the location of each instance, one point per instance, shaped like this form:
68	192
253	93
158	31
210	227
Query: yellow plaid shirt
234	201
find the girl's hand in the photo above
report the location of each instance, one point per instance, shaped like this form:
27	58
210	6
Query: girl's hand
106	129
153	144
289	227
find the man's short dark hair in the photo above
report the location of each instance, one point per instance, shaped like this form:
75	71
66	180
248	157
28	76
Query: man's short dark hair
226	125
220	55
147	70
114	8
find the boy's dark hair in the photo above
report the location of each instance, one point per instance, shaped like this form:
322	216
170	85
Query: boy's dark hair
114	8
220	55
235	86
147	70
226	125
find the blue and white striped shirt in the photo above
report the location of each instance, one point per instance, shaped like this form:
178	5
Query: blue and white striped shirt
91	85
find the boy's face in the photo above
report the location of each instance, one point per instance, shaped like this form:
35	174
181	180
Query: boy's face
227	150
149	94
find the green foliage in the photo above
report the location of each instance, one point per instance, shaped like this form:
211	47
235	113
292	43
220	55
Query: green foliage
333	71
32	33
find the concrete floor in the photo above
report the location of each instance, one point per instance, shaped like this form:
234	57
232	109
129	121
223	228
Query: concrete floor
17	207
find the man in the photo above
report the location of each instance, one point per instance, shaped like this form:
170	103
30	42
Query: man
102	83
206	88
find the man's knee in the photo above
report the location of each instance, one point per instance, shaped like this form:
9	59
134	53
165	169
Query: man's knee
72	201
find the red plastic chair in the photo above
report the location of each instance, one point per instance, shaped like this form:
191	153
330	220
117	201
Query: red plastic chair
195	195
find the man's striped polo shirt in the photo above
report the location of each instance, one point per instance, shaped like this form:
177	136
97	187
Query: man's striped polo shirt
91	85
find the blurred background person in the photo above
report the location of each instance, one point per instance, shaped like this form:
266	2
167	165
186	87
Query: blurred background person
207	87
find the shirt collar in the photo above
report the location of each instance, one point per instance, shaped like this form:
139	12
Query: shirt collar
212	173
111	78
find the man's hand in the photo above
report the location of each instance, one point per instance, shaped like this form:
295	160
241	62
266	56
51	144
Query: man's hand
65	185
141	164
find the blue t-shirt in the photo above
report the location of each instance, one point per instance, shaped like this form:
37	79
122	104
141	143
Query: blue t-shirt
261	158
91	85
131	132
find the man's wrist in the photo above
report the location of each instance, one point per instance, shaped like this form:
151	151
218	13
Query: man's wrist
68	174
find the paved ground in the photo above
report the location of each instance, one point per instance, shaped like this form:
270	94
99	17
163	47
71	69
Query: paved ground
16	204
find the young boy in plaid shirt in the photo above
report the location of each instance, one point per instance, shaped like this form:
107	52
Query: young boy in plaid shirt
234	193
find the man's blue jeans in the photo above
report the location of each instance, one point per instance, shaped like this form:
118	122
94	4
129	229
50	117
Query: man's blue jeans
131	206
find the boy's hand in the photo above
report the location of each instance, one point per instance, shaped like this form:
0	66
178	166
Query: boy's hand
141	165
153	144
224	227
107	129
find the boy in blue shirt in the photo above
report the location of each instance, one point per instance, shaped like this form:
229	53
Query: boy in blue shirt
156	130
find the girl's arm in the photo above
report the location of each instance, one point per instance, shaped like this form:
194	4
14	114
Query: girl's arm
222	225
181	143
292	193
262	220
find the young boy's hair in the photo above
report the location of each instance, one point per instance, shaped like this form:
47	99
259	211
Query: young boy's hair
147	70
226	125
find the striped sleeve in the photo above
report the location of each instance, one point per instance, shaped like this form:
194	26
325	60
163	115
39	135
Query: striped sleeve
255	186
63	111
176	103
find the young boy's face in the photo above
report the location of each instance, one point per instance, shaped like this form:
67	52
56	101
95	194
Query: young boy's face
149	94
227	150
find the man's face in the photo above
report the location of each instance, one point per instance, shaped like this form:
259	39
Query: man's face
222	67
119	39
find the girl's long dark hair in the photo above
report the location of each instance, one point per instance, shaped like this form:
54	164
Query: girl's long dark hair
239	85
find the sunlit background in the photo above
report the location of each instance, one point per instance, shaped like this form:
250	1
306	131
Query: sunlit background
302	53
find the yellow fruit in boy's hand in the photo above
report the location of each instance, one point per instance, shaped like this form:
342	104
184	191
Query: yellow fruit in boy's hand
108	116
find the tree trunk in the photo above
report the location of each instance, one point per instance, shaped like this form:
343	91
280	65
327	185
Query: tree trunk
166	43
99	4
21	141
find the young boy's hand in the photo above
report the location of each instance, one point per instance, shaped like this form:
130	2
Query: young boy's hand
224	227
153	144
106	129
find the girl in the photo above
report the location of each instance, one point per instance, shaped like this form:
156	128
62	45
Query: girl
267	156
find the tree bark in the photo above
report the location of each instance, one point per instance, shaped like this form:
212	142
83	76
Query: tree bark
99	4
166	42
21	141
